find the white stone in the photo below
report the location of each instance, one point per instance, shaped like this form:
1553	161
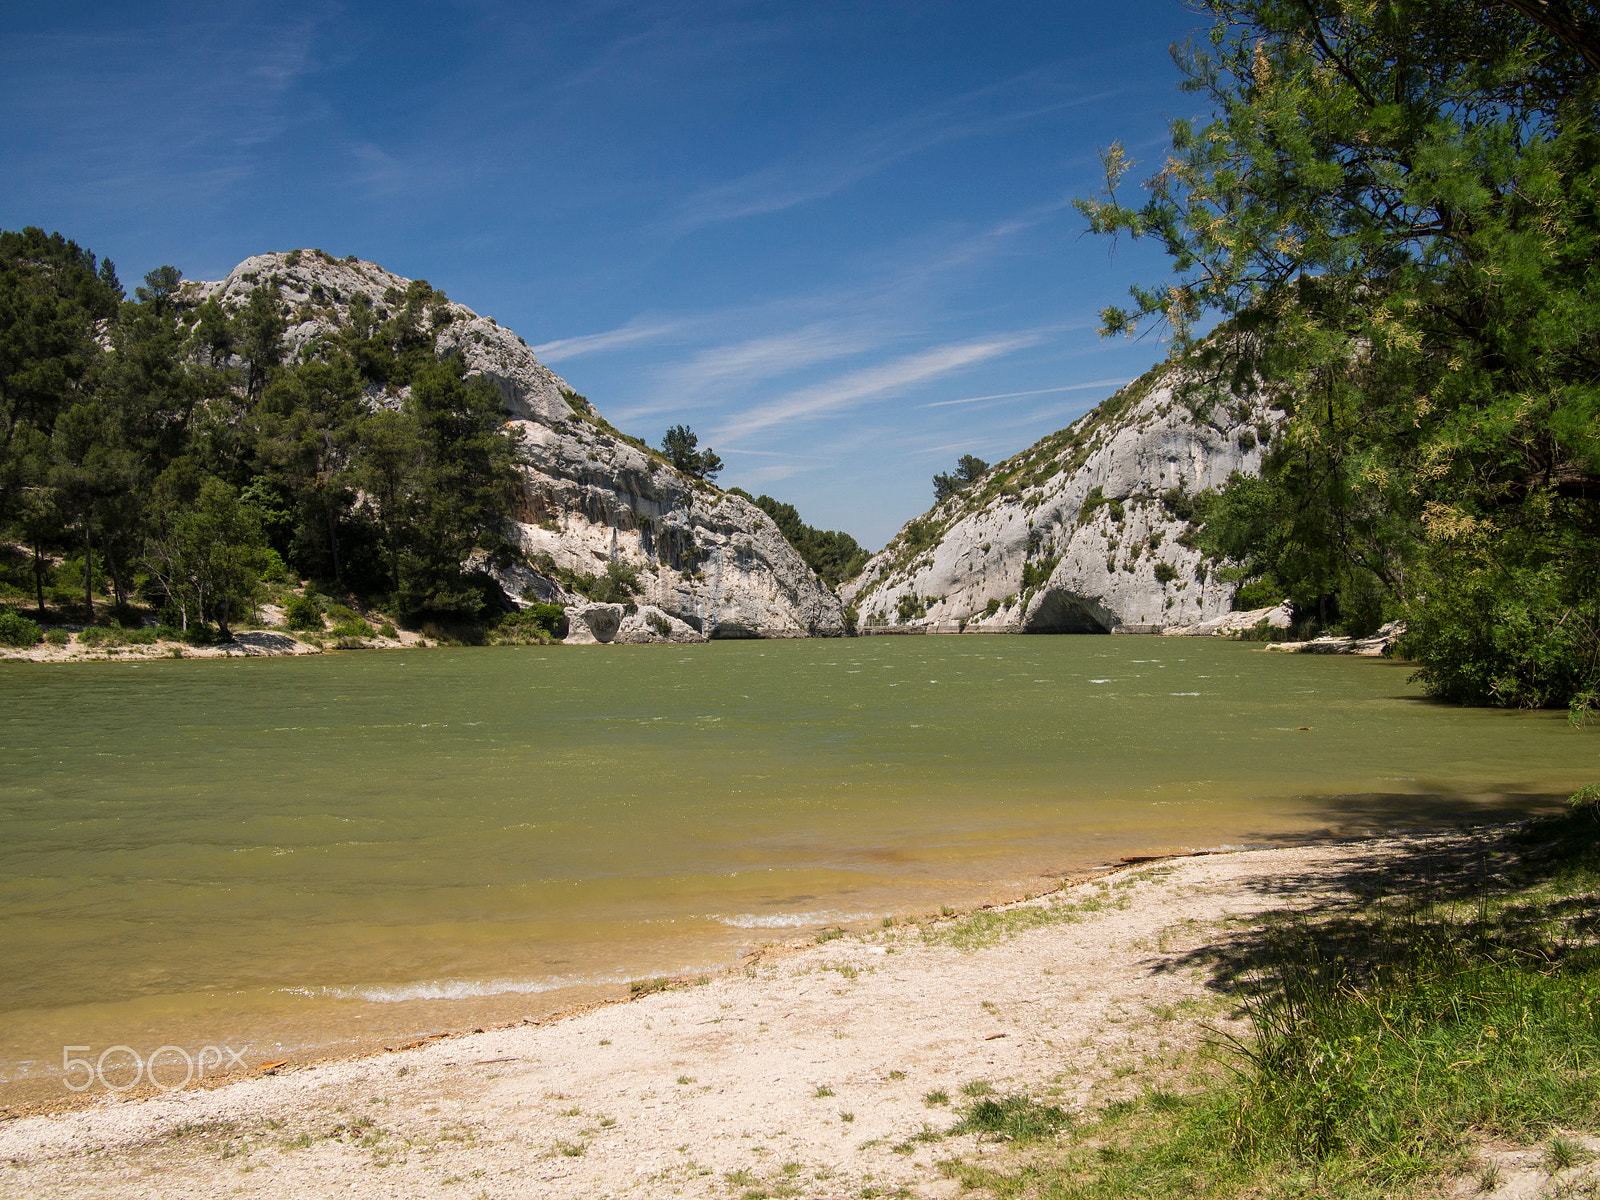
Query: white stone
591	623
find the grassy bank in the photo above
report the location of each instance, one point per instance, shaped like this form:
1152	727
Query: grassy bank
1454	1003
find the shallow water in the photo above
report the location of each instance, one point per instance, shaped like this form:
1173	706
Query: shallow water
296	852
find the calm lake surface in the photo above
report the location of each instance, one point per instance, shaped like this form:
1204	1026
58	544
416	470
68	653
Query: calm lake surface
295	853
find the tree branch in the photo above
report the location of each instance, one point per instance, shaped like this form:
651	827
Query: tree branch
1555	17
1350	76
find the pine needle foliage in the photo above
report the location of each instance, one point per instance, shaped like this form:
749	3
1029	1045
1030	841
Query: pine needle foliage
1393	207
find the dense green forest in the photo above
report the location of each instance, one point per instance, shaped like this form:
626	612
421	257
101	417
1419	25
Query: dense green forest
834	555
164	453
1393	206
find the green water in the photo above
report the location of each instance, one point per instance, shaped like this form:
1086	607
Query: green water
294	849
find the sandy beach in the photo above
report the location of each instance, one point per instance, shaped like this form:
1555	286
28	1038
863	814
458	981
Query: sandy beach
808	1069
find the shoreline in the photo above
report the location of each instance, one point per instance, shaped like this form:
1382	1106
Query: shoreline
831	1052
276	642
247	643
541	1007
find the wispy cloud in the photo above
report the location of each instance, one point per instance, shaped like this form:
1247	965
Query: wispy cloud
772	355
734	367
160	107
871	383
1068	387
635	332
802	179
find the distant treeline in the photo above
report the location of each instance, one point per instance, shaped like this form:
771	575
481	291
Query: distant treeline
833	555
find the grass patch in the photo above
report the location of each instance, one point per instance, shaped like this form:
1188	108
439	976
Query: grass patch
1014	1119
991	926
1455	1000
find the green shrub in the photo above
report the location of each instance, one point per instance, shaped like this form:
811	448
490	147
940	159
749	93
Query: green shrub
94	635
272	568
1178	502
991	608
57	637
1166	572
618	585
387	630
354	627
18	630
302	612
920	535
1038	574
1095	499
540	623
1258	593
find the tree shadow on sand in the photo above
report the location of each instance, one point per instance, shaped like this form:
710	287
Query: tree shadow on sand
1529	891
1434	809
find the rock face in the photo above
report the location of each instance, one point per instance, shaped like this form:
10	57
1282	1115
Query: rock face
591	496
1084	532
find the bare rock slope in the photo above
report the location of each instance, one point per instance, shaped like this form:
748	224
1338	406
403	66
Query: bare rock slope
1085	531
591	496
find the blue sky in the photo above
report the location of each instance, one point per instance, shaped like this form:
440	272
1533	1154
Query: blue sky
835	239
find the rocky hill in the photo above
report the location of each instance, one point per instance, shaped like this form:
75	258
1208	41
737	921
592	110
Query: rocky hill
712	563
1085	531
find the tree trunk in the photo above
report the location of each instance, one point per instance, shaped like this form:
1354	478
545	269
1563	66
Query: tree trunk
333	539
88	570
222	621
116	580
38	578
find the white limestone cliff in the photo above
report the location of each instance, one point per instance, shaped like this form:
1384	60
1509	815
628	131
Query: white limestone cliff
591	496
1086	531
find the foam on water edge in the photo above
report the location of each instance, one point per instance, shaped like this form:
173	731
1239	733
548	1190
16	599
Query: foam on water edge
788	920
